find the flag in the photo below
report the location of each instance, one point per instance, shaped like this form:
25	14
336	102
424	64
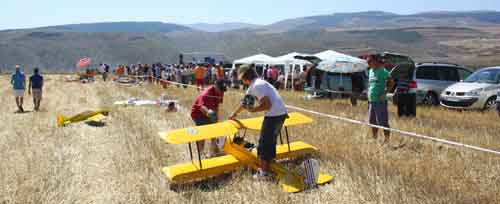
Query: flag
84	62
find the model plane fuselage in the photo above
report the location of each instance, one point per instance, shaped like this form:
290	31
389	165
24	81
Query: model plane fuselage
96	116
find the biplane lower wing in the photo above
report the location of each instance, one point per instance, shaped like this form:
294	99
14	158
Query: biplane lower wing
190	171
211	167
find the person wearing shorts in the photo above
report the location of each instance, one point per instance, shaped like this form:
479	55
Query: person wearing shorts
199	74
276	113
205	111
18	82
35	86
379	84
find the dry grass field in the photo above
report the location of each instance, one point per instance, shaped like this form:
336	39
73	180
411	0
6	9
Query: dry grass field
120	163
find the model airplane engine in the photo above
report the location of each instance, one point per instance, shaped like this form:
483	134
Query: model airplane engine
248	102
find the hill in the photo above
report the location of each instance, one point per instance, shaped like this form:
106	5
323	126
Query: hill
117	27
207	27
381	20
470	38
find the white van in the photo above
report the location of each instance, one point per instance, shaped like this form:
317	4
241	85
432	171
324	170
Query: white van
478	91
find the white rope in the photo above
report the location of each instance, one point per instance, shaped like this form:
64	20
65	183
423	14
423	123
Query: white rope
405	133
411	134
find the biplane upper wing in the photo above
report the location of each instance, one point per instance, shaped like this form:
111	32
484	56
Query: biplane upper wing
224	129
197	133
295	118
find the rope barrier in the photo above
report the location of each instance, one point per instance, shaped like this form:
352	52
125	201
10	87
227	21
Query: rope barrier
405	133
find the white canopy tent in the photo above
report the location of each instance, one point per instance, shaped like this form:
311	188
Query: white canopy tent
258	59
335	62
289	60
255	59
340	63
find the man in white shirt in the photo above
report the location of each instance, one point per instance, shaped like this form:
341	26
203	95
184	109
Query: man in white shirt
276	113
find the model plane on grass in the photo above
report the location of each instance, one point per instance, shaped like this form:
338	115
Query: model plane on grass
89	116
240	153
139	102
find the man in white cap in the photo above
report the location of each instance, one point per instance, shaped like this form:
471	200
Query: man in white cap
18	81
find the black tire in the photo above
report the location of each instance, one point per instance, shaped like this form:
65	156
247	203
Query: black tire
430	99
491	104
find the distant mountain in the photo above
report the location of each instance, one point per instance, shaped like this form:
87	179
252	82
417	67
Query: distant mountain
132	27
379	19
222	27
462	37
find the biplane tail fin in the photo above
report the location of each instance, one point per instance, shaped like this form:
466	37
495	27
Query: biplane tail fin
61	120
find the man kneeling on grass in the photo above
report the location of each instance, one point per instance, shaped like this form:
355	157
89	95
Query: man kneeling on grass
205	111
270	102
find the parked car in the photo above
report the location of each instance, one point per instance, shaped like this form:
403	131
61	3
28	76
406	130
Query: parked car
433	78
478	91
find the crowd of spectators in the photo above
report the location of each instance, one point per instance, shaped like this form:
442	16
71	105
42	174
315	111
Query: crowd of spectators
201	75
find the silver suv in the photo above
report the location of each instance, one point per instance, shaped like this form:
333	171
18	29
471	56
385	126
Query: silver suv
433	78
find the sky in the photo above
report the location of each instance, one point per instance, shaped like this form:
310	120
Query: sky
38	13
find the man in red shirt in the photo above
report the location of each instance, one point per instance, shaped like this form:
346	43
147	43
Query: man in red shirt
205	110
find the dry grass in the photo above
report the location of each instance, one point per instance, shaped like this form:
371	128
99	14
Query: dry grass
120	163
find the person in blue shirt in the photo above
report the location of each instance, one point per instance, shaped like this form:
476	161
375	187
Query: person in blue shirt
36	85
18	82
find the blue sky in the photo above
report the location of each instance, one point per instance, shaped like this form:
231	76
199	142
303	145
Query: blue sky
36	13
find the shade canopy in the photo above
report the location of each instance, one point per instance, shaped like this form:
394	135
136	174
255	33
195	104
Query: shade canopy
336	62
289	59
256	59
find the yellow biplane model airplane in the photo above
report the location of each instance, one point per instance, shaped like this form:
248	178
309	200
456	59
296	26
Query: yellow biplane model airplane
238	153
90	116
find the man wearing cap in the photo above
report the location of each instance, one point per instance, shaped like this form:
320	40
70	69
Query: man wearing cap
35	86
276	113
205	111
18	81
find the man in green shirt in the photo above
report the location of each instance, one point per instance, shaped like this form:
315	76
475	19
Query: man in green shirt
380	83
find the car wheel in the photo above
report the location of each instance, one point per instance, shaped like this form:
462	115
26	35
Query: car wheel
430	99
490	104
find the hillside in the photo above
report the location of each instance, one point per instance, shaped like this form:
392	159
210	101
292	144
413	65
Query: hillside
121	162
221	27
470	38
380	20
117	27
